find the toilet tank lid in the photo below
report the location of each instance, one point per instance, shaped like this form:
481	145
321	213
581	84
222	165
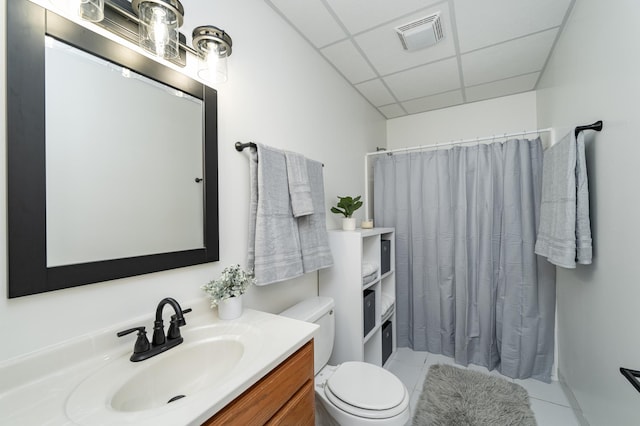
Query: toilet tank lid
309	310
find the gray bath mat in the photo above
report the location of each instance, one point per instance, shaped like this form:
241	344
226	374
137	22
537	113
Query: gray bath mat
456	397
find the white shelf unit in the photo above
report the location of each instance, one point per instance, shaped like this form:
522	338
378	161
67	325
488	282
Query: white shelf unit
343	282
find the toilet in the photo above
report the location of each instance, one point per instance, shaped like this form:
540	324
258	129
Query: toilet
352	393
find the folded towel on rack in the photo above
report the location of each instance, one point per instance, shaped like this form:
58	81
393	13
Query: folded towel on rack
312	228
274	243
369	272
299	187
564	233
386	304
369	278
369	268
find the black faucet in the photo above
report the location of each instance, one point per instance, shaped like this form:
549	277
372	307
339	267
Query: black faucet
142	348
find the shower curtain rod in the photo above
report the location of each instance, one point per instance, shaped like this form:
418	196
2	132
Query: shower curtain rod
597	126
461	141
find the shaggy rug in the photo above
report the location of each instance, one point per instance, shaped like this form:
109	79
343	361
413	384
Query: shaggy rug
456	397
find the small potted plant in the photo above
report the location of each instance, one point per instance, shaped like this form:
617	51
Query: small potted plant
346	206
227	290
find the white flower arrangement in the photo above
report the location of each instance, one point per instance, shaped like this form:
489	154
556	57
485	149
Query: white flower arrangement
233	282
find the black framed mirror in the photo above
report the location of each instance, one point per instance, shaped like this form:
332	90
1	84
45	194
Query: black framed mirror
30	269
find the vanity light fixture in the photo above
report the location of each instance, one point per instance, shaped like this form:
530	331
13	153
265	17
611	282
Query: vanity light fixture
213	46
154	25
158	27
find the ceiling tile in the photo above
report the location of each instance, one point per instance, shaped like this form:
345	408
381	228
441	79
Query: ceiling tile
348	60
521	56
392	111
376	12
505	87
376	92
312	19
483	23
426	80
443	100
493	47
384	50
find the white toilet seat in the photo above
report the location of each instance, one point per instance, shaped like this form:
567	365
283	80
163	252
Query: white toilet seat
366	391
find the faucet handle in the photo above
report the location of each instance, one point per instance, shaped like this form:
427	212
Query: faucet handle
182	322
174	327
142	343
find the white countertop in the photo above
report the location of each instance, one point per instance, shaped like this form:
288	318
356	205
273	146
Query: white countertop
39	388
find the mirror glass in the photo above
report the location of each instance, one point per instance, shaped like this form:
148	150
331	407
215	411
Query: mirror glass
124	175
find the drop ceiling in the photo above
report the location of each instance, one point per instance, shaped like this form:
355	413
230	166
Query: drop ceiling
490	48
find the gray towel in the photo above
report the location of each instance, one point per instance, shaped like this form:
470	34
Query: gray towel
314	240
564	234
274	244
299	188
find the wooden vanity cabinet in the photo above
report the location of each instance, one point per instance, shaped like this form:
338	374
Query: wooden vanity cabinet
285	396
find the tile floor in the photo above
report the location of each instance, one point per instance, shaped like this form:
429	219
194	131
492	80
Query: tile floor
548	401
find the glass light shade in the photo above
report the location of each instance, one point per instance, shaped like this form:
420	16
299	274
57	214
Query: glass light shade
213	46
212	66
91	10
158	29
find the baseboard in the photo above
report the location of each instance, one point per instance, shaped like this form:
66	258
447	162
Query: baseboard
575	406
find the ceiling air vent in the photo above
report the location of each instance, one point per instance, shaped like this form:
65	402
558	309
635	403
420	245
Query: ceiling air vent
421	33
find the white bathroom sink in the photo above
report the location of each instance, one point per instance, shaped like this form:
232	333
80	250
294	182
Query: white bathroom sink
122	391
178	375
90	381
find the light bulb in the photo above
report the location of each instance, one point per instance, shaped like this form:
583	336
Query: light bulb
158	29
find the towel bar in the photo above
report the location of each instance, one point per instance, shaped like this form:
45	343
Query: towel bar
597	126
633	376
241	146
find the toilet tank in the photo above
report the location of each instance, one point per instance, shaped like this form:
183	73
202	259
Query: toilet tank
318	310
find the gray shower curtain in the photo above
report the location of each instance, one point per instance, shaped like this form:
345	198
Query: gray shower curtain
469	285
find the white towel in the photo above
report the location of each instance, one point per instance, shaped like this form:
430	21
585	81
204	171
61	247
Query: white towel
369	272
274	244
564	234
299	187
369	278
314	240
369	268
386	304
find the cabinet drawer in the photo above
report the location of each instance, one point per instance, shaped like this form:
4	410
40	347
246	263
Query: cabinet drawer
264	399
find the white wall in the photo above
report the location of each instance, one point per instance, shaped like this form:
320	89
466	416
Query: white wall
280	92
509	114
595	74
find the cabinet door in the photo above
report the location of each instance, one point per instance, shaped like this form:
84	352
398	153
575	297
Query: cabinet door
299	411
266	398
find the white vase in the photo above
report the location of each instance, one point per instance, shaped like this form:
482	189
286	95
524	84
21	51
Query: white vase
348	224
230	308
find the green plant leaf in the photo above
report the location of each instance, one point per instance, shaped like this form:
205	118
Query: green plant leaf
347	205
